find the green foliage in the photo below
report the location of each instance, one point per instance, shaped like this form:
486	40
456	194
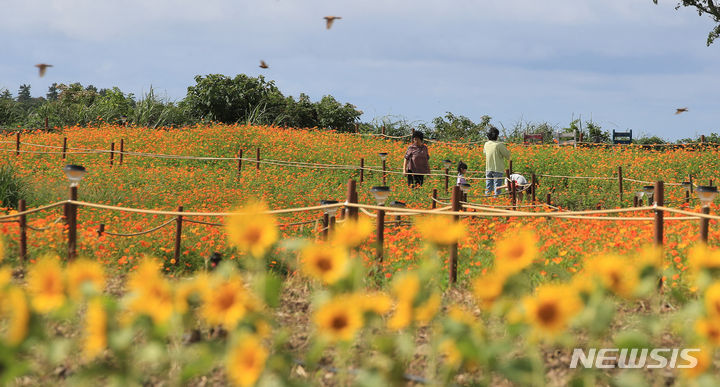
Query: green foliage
648	140
333	114
596	134
520	128
12	186
459	128
704	7
220	98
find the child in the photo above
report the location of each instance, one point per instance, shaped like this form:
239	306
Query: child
521	184
462	169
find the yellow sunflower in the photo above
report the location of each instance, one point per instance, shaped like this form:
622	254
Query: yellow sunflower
710	330
451	353
441	230
704	361
226	302
488	288
616	273
2	249
326	262
246	360
5	276
339	319
150	293
251	230
378	303
15	308
95	329
194	289
701	256
712	300
552	307
425	312
352	233
406	286
45	284
402	316
515	252
84	274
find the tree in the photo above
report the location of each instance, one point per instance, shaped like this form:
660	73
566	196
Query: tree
24	94
220	98
333	114
458	128
704	7
52	93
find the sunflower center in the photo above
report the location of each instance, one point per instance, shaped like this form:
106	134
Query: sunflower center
225	300
516	252
339	322
324	263
50	284
548	313
253	235
615	279
249	360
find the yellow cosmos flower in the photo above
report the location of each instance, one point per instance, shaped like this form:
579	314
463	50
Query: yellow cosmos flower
406	287
551	308
45	284
15	308
515	251
710	330
246	360
84	273
339	319
427	311
95	329
352	233
616	273
328	263
441	230
488	288
226	302
402	317
712	300
252	231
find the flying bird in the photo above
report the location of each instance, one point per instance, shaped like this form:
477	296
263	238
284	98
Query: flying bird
329	20
42	67
681	110
263	65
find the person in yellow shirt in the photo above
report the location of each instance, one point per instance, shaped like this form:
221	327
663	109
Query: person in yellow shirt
496	154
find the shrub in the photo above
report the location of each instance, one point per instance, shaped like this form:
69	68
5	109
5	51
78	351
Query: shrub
12	187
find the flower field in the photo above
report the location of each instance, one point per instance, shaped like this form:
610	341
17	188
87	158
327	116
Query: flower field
286	307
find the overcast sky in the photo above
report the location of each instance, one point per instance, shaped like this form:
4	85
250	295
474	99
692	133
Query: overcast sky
625	63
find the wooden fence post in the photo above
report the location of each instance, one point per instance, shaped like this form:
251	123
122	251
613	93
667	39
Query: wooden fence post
357	127
547	199
239	162
447	180
178	235
64	148
112	153
452	263
383	130
513	194
71	211
434	198
635	201
380	235
17	143
362	169
101	230
352	197
702	139
22	221
620	184
122	150
325	226
704	225
47	127
384	175
533	179
257	159
659	195
510	168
